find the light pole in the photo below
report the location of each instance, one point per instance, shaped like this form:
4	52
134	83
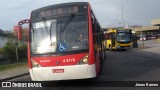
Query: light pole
122	13
142	38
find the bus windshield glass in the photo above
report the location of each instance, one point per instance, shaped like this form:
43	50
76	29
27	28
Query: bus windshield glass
124	37
61	34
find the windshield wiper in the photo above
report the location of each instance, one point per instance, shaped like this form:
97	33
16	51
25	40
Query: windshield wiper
44	22
68	21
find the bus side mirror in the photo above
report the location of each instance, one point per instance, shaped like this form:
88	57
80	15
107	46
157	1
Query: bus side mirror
18	29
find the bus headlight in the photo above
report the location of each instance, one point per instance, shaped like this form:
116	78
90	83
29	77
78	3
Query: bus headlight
35	64
84	60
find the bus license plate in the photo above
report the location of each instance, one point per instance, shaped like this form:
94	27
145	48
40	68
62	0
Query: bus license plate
58	70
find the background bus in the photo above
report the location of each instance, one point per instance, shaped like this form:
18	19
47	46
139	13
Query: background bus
118	39
65	42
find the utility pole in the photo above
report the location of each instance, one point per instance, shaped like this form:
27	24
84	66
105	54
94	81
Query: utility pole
16	44
142	38
122	13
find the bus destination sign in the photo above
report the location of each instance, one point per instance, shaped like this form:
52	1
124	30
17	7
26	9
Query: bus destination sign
126	30
55	11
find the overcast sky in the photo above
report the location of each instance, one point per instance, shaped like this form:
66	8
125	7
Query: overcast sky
108	12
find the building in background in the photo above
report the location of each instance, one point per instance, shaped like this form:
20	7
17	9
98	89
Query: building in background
151	32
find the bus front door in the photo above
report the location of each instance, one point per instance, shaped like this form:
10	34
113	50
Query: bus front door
113	40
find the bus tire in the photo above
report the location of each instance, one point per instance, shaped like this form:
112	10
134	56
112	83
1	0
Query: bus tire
100	68
100	64
104	52
104	55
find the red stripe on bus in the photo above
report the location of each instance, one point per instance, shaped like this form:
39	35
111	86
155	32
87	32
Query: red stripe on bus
91	43
65	60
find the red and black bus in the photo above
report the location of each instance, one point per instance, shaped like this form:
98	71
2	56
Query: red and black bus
65	42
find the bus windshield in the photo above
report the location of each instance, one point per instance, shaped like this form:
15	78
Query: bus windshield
124	37
62	34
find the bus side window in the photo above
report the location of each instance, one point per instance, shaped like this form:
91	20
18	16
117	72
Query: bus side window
98	33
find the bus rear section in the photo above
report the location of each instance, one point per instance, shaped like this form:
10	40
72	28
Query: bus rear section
61	44
118	39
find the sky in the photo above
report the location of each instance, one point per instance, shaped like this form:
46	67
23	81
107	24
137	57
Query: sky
108	12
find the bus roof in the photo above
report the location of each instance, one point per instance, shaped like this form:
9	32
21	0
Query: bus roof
60	9
61	5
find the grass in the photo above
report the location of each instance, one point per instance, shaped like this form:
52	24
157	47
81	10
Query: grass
11	66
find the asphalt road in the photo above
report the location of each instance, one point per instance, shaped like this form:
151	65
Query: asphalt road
130	65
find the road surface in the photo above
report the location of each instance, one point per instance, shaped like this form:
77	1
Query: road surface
130	65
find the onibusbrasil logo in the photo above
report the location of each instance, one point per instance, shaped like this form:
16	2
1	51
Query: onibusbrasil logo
20	84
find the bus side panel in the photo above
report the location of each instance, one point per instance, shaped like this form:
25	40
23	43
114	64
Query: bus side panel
91	43
94	47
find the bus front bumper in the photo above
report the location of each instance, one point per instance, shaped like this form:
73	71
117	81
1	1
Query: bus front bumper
124	46
70	72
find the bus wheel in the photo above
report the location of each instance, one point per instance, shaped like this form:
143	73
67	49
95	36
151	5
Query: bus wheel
103	55
110	48
100	66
